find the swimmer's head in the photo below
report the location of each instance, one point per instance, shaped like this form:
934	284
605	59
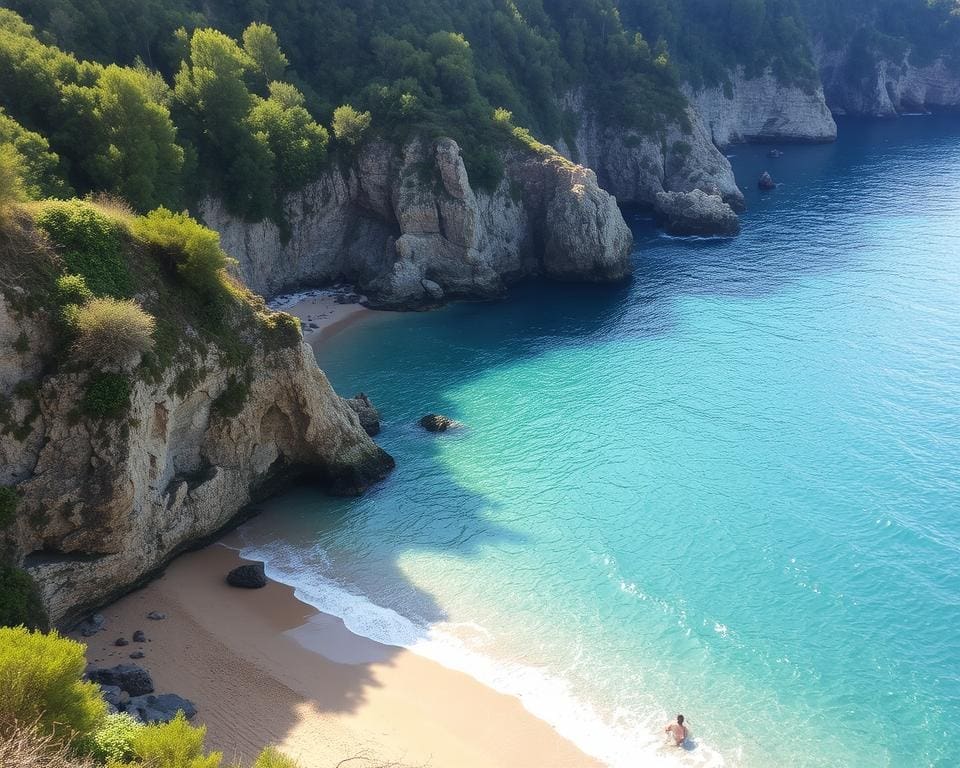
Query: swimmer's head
680	719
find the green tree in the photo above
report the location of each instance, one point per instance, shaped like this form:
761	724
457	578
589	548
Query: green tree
261	45
350	125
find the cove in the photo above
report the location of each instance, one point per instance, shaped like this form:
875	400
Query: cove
729	488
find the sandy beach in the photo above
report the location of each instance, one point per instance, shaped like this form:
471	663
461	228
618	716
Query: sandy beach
322	312
322	693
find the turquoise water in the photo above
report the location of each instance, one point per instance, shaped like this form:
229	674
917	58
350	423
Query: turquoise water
730	488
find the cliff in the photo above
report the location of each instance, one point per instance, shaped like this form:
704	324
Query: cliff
638	169
762	109
885	87
406	226
106	499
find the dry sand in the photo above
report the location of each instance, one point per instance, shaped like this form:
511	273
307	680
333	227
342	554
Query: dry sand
321	315
232	652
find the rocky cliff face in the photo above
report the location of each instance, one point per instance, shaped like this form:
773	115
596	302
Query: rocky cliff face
406	226
762	109
638	169
104	503
888	88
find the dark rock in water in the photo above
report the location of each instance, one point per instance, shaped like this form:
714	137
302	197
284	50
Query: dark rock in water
127	677
696	213
159	709
139	636
774	153
121	641
369	416
434	422
352	479
766	182
137	655
249	576
156	616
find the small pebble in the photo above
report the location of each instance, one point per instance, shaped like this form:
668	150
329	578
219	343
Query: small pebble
139	636
121	641
137	655
156	616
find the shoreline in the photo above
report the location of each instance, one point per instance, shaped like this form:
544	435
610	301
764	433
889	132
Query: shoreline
322	693
323	312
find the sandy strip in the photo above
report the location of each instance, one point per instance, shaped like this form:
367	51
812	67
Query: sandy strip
320	314
231	652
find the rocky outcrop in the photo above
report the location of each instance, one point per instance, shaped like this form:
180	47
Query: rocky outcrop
407	227
367	413
248	576
887	88
637	168
435	422
106	502
762	109
696	213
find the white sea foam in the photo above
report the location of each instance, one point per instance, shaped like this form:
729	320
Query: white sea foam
619	739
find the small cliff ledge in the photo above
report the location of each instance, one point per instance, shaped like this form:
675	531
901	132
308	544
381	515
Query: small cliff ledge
638	168
105	499
406	226
762	109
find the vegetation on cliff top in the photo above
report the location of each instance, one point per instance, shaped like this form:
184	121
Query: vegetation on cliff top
50	716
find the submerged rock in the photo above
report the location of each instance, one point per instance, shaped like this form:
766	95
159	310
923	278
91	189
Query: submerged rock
696	213
766	182
369	416
135	680
434	422
774	153
248	576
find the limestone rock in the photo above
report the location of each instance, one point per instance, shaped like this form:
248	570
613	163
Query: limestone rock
407	227
753	109
696	213
247	576
766	181
368	415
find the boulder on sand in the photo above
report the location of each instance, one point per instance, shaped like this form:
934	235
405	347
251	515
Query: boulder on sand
127	677
249	576
159	709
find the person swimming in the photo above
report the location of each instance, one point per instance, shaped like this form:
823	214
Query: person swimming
677	731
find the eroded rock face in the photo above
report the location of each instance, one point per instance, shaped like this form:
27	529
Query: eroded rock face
696	213
636	168
890	88
407	227
107	502
762	109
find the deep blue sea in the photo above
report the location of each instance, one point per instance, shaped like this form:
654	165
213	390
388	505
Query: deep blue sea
729	488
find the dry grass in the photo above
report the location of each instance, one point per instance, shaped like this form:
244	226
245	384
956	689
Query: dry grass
26	747
111	331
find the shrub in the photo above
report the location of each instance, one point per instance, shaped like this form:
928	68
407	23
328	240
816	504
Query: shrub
11	181
176	744
111	331
107	396
40	683
20	602
231	400
283	329
349	125
91	244
26	747
271	757
113	741
9	499
195	250
72	289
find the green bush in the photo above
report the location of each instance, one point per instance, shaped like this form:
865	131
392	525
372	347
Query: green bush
112	741
350	125
107	395
9	499
194	249
176	744
91	244
40	682
11	177
72	289
231	400
20	601
271	757
111	331
283	329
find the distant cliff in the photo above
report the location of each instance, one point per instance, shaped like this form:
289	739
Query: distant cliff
407	227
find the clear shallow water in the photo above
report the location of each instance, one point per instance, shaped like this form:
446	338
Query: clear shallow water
730	488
